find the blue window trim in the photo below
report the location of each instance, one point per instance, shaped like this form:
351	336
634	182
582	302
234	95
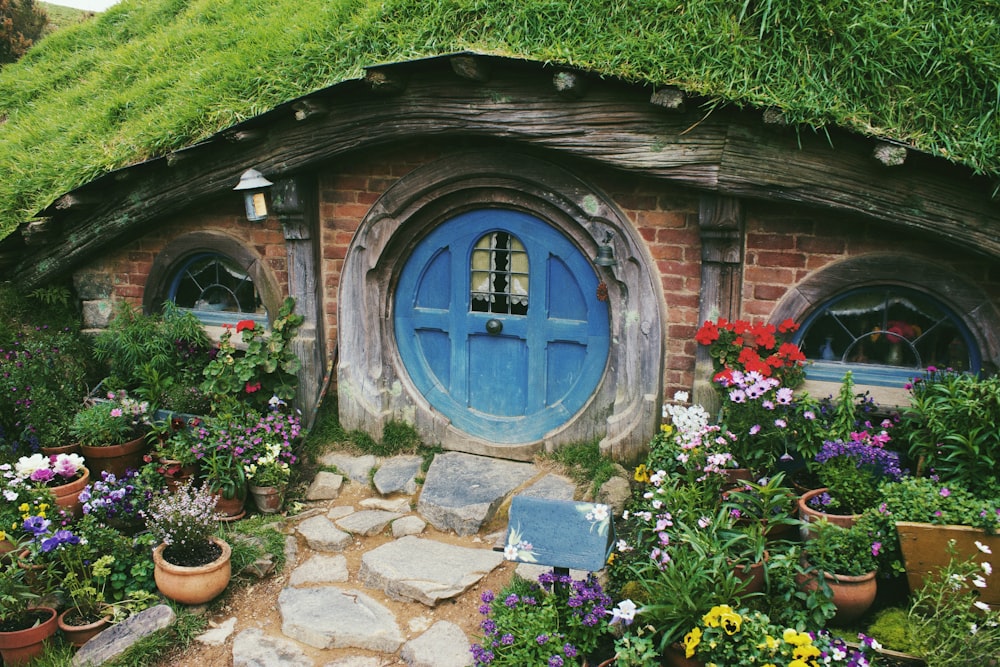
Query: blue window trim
878	374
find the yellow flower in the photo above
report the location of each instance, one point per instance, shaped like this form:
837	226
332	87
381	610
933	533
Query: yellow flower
795	638
23	507
806	651
723	616
611	558
770	642
43	506
691	641
3	535
641	473
667	428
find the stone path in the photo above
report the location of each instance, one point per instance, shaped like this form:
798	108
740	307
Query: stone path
327	605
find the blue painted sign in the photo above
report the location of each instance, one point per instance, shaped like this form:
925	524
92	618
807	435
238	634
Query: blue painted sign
559	533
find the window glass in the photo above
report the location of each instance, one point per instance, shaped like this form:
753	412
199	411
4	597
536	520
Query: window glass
499	275
217	290
884	335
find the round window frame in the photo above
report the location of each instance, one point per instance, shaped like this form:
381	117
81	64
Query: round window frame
176	255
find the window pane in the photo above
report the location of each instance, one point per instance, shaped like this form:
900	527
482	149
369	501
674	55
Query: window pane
499	275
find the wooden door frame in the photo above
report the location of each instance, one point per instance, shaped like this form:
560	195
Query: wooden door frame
374	388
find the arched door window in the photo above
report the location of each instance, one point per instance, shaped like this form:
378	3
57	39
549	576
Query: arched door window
884	335
499	280
217	290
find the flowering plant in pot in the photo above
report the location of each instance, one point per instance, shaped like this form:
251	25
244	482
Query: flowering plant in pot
23	627
184	522
852	471
114	421
845	563
19	499
729	636
119	501
556	622
692	447
753	347
50	471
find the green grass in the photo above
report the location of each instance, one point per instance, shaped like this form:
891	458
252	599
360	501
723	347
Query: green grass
585	464
150	76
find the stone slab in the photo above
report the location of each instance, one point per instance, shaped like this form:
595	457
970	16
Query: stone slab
119	638
320	569
325	486
367	522
401	505
463	491
356	468
328	617
424	570
398	475
322	535
252	648
443	645
557	487
408	525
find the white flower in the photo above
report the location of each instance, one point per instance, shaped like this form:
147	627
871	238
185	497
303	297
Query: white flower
657	504
600	512
982	547
624	612
681	396
987	568
973	628
979	581
510	551
625	515
27	465
981	605
9	496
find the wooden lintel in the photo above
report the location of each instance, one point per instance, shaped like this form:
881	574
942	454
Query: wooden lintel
385	81
305	109
242	136
571	85
668	98
471	68
775	116
39	232
890	154
75	200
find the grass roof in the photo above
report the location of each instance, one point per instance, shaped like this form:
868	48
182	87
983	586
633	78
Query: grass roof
150	76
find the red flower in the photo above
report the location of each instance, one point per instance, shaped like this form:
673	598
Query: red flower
251	388
244	324
788	326
707	334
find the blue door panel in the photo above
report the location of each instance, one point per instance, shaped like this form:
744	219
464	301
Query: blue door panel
497	375
564	298
550	353
563	369
435	348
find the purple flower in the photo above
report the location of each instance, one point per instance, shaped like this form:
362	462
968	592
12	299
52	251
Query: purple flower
555	661
511	600
569	650
507	639
542	639
945	492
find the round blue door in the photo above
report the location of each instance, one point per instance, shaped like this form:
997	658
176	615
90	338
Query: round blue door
499	326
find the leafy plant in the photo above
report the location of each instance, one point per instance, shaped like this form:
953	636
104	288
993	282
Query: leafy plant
267	366
114	421
852	471
837	550
926	500
953	421
16	596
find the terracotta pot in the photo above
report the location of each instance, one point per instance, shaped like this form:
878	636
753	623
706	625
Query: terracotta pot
21	646
674	657
78	635
924	548
73	448
192	585
176	474
735	476
33	572
268	499
810	515
229	509
752	574
6	548
115	459
852	595
68	495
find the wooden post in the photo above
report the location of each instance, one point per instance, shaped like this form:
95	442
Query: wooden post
720	220
295	209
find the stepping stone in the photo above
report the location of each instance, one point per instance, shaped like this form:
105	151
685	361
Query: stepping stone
119	638
367	522
444	645
356	661
339	512
218	634
327	617
398	475
322	535
462	491
556	487
320	569
252	648
411	568
357	468
401	505
325	486
408	525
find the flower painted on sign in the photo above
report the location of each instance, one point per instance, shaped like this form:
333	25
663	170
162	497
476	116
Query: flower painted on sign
597	514
517	548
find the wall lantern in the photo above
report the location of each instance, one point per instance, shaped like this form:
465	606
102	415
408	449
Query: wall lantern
253	185
605	252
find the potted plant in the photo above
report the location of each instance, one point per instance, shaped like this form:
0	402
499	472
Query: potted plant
843	560
20	499
23	628
118	502
729	636
111	433
556	622
176	448
850	473
191	565
928	515
767	502
63	475
267	456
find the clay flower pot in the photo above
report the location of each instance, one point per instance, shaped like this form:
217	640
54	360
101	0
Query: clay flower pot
810	515
192	585
852	595
68	495
21	646
268	499
78	635
116	459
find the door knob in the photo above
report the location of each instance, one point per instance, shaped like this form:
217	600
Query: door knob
494	326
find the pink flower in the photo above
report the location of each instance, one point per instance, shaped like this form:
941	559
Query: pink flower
116	412
876	548
945	492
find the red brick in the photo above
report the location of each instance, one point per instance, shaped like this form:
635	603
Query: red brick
661	219
789	259
688	269
770	242
664	251
821	245
648	234
769	292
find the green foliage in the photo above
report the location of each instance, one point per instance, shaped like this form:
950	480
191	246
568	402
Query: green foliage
838	550
891	628
585	463
265	370
161	74
952	423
